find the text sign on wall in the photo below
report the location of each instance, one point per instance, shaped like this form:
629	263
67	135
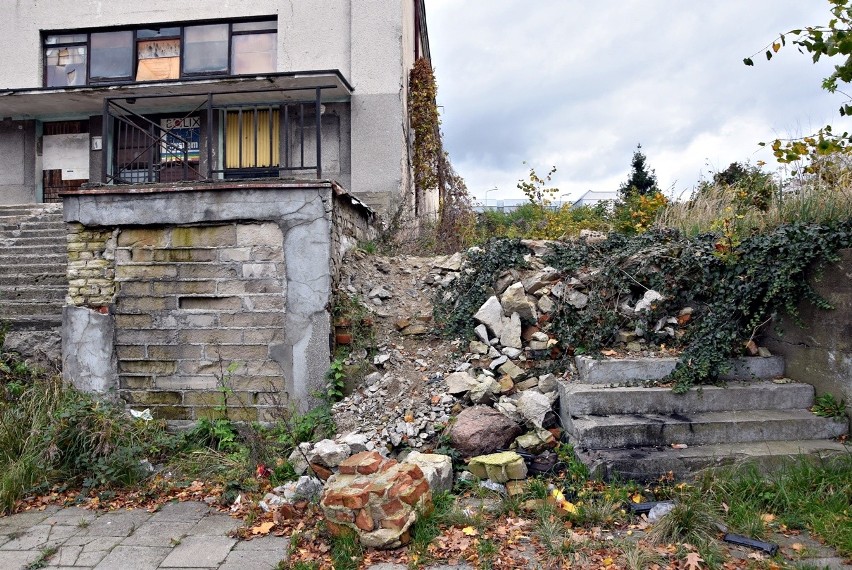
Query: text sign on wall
180	132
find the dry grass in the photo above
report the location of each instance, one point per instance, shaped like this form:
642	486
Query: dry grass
811	203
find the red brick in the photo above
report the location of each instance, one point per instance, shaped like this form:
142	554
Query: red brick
393	507
387	465
364	521
355	460
322	472
395	523
400	484
346	469
369	465
413	492
333	499
343	516
356	500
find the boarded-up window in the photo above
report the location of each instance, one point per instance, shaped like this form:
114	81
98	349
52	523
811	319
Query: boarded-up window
158	59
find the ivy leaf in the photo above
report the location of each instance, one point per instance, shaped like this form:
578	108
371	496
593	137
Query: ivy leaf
768	55
775	47
748	61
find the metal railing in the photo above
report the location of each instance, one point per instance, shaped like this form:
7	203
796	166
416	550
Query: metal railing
200	138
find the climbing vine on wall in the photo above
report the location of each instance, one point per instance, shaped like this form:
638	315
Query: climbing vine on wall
431	164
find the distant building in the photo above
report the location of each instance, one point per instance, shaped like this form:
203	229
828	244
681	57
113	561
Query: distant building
593	198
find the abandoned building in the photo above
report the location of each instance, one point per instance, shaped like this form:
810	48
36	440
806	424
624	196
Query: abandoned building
213	162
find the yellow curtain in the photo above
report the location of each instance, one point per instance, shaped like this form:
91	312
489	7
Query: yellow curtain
254	135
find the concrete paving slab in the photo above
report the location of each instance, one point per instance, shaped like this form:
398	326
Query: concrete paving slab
154	533
84	551
181	512
71	516
39	537
199	552
276	543
117	523
215	524
254	559
133	558
18	559
26	519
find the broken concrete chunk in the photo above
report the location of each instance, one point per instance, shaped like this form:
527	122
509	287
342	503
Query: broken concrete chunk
437	468
477	347
511	334
546	305
577	300
380	292
499	467
547	383
514	300
329	453
648	299
511	369
481	333
459	383
541	279
534	406
490	314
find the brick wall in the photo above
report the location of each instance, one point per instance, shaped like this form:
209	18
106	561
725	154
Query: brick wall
195	309
352	222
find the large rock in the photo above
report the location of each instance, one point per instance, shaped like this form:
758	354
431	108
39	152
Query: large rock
480	430
437	468
377	498
490	314
514	300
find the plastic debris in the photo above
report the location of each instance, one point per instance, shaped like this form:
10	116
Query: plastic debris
659	511
143	415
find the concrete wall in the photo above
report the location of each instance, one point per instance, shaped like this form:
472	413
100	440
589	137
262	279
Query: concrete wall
820	353
193	280
371	42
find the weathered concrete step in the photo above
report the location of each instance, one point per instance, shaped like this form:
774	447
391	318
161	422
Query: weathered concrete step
51	231
8	241
53	279
626	370
704	428
598	400
34	322
18	259
648	464
32	269
32	294
32	226
14	309
51	248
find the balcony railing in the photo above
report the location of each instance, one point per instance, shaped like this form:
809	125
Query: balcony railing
245	134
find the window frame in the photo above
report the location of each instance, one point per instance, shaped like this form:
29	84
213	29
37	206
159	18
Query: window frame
270	27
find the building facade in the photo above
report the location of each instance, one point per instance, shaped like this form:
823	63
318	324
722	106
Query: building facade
124	92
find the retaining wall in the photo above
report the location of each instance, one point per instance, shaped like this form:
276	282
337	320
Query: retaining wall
199	302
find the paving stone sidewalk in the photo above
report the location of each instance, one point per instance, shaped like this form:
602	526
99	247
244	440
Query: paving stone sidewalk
179	535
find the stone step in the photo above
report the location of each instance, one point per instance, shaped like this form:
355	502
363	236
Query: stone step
37	322
59	249
54	279
648	464
626	370
11	310
703	428
31	270
7	226
32	294
17	259
597	400
9	241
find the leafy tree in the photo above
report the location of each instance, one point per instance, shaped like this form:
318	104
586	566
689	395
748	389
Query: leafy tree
833	39
642	181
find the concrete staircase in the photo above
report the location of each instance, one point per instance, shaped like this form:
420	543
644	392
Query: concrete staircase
33	281
621	429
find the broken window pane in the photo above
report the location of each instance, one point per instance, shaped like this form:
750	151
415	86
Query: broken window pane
65	66
158	59
66	39
112	55
205	49
254	53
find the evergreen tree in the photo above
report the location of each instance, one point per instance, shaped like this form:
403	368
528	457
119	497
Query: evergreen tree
642	180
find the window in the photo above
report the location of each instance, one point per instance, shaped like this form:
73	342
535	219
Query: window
205	49
111	55
65	60
252	139
160	53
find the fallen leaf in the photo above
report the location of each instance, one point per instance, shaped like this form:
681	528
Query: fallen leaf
797	546
637	498
767	517
263	528
470	531
692	561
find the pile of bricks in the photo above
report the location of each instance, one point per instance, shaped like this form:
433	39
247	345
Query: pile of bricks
376	497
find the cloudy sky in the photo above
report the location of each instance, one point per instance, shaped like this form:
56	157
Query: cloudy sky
577	84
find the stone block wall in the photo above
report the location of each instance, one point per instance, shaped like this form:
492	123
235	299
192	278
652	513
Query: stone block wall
205	302
196	311
352	223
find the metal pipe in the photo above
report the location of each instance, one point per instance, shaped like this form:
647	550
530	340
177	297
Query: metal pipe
318	109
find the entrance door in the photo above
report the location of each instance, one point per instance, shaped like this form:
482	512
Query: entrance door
65	157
